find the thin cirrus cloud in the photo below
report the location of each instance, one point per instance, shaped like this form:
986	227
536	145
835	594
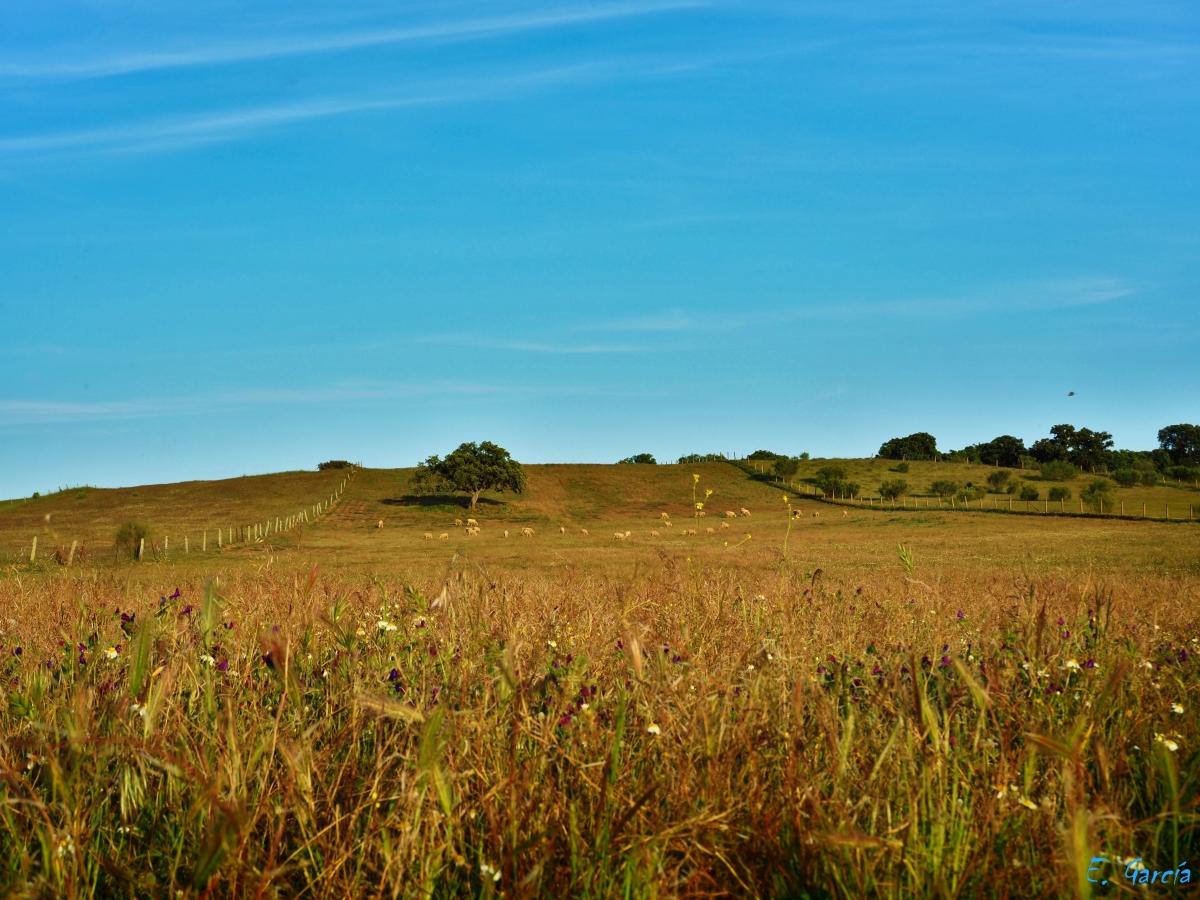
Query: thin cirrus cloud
27	412
251	51
177	133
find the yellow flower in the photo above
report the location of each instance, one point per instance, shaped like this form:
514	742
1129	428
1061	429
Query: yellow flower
699	506
653	729
696	478
707	492
1027	803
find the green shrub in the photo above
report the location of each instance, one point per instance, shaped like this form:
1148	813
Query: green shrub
1058	470
832	481
1060	493
1126	477
890	490
130	537
944	488
970	493
1097	493
333	464
998	480
901	467
638	459
1029	492
1151	478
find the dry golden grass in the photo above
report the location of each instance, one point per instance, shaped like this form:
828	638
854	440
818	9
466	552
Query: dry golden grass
563	716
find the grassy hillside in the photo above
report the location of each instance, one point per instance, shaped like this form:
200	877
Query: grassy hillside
561	501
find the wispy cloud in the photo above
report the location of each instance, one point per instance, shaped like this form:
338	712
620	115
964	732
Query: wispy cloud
175	133
26	412
249	51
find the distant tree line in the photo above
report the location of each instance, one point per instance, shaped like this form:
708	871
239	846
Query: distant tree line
1068	447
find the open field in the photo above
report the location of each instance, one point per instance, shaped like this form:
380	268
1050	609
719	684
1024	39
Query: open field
347	710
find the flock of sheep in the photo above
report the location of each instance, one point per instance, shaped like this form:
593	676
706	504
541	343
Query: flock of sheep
473	528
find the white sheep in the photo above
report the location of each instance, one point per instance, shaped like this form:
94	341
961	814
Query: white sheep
618	535
428	536
654	534
443	536
730	514
458	523
664	516
526	532
380	525
709	531
745	512
506	532
584	530
562	529
472	522
724	524
691	531
628	533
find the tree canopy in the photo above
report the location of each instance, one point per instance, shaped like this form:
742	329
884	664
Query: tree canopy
1182	442
471	469
638	459
766	455
1081	447
920	445
1005	450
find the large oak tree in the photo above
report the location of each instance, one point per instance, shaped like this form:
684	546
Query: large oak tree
471	469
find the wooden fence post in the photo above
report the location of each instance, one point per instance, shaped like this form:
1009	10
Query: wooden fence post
166	544
218	538
141	549
1143	510
71	556
204	543
33	550
185	544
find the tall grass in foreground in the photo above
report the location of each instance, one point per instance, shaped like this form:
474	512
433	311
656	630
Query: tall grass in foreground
690	732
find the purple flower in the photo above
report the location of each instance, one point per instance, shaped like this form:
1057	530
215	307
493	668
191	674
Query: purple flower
1066	634
877	671
1060	621
620	646
564	721
176	595
187	610
1183	656
223	666
16	651
433	651
676	658
737	692
1090	664
393	675
945	662
228	626
961	615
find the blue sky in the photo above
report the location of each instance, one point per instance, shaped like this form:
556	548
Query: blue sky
241	239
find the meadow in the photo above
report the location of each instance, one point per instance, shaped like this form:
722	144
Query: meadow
861	702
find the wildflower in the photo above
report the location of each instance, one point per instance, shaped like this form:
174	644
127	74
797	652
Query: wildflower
1146	664
1072	664
223	666
66	846
1166	742
653	729
750	668
112	652
486	871
361	633
961	615
695	479
1027	803
207	659
553	645
1177	708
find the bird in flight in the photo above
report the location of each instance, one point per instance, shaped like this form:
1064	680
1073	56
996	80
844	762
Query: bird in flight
1070	393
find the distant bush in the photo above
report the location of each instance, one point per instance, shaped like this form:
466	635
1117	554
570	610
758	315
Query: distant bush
702	457
786	468
832	480
890	490
766	455
1060	493
944	488
1029	492
970	493
1183	473
36	494
1097	493
1027	462
804	455
1058	470
333	464
1151	479
901	467
1127	477
130	537
638	459
998	480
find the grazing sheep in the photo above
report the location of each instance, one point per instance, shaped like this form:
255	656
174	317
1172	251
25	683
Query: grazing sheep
724	524
526	532
654	534
472	531
691	531
664	516
702	514
458	523
584	530
709	531
428	536
380	525
745	512
669	524
472	522
628	533
506	532
443	536
562	530
844	513
730	514
816	515
618	535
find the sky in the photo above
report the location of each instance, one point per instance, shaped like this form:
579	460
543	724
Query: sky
244	238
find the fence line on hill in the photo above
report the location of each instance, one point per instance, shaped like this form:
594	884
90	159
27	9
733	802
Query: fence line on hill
226	535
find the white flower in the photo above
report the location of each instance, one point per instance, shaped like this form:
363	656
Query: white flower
653	729
1147	664
553	645
750	667
383	625
1072	664
1025	665
1177	708
361	633
1166	742
112	652
1043	673
487	871
206	659
1027	803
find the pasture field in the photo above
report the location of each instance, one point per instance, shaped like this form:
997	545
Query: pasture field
783	708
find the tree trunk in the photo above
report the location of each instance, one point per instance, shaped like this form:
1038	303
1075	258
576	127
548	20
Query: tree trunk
475	498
